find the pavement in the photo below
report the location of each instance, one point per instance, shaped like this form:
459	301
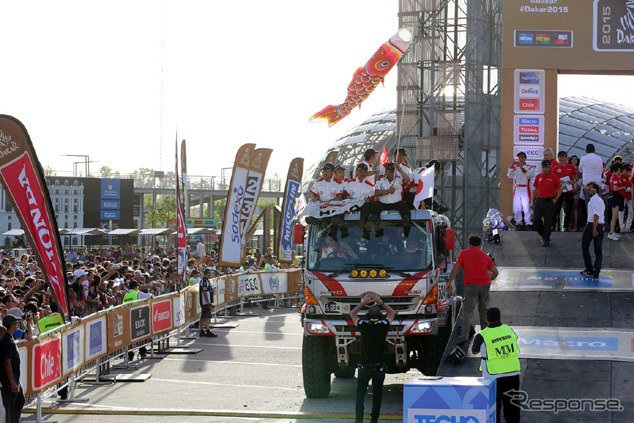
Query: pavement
249	373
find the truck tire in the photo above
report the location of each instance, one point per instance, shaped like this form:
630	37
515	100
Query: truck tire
315	367
434	349
345	373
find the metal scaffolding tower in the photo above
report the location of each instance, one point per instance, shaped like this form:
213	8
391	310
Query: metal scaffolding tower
448	104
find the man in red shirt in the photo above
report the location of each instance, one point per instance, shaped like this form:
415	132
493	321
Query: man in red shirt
626	181
547	192
476	264
566	173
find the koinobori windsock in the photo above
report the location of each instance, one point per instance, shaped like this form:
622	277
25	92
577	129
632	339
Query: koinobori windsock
366	78
24	183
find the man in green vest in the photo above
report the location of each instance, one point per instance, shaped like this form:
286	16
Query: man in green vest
500	362
51	321
132	295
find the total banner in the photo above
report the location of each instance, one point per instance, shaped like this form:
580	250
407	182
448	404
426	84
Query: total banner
23	181
320	210
231	244
293	183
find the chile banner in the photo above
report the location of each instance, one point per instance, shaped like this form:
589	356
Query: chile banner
293	181
180	223
231	242
23	181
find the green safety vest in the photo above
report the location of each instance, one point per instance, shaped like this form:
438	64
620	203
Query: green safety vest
267	266
502	350
192	280
130	296
48	323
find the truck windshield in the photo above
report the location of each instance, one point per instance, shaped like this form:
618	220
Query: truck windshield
391	251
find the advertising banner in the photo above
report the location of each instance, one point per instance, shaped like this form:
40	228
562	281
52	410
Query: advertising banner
23	350
178	307
255	176
320	210
180	226
249	284
161	316
231	289
73	349
293	183
24	184
184	182
295	282
46	367
274	283
219	287
118	326
96	338
231	244
140	325
191	302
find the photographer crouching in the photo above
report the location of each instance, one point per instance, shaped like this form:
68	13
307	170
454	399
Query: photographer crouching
373	328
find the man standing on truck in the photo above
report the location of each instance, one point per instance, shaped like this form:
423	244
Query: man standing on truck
374	329
476	264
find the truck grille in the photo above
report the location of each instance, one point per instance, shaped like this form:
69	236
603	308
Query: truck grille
348	328
397	303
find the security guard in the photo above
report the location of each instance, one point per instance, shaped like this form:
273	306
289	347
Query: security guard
373	331
500	362
51	321
132	295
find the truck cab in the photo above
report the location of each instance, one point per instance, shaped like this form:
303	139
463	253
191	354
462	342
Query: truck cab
407	270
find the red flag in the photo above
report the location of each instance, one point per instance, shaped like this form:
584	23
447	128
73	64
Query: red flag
384	157
23	181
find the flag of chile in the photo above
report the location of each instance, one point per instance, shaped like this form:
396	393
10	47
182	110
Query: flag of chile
23	181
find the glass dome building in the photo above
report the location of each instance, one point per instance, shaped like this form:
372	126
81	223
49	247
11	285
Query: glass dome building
610	127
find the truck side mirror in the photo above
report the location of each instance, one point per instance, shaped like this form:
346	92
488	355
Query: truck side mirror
450	239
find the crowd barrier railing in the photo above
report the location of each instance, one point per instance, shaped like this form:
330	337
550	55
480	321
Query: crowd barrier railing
68	353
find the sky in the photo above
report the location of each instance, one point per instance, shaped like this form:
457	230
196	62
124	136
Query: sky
118	80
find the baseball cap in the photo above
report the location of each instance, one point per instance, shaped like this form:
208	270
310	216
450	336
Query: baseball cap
340	167
15	312
401	151
521	153
390	166
9	319
133	284
328	165
546	163
79	273
362	166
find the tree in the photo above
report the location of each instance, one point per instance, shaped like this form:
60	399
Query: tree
165	211
48	171
105	171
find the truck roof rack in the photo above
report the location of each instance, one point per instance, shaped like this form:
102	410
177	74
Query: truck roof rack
394	215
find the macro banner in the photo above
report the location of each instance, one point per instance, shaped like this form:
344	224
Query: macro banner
231	243
24	184
96	344
73	349
255	177
293	182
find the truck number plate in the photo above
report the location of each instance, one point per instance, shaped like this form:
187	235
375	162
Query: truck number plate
337	308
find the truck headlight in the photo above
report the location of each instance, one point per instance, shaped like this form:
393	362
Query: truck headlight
422	327
317	328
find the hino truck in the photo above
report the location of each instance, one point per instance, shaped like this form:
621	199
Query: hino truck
408	269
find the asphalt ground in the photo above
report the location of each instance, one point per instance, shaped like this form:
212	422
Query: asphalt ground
253	370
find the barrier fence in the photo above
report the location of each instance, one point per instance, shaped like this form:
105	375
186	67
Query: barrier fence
69	352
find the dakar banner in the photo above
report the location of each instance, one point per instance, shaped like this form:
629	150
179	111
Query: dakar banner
231	243
180	224
252	192
293	182
320	210
23	181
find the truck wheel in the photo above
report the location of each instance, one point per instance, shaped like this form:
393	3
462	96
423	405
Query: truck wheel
434	348
345	373
315	366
